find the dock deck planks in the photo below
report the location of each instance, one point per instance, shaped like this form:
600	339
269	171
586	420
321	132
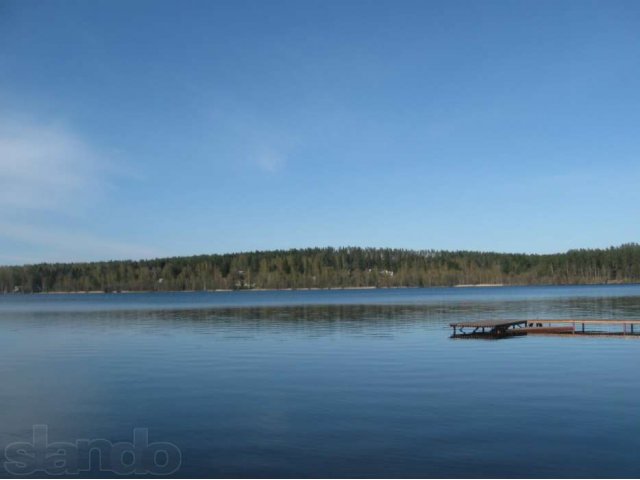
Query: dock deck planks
488	323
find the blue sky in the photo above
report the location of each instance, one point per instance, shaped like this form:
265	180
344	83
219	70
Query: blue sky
151	128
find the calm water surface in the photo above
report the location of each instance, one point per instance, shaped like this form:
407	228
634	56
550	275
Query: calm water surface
329	383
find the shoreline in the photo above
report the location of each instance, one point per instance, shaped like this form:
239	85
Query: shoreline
309	289
218	290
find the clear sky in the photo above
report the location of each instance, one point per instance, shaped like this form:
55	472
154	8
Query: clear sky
150	128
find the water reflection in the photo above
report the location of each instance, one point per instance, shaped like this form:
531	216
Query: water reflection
343	388
343	316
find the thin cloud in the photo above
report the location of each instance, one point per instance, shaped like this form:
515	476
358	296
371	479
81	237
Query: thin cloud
270	160
253	138
44	167
49	171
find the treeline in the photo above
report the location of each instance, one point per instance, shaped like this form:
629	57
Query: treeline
329	268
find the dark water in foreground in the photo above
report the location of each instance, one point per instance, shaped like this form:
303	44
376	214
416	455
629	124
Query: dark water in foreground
328	383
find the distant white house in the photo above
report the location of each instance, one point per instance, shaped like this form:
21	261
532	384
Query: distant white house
385	273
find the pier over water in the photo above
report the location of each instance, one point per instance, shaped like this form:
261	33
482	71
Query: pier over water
503	328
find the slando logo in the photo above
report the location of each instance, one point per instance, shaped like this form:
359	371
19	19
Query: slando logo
83	455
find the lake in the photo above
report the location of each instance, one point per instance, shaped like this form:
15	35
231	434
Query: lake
346	383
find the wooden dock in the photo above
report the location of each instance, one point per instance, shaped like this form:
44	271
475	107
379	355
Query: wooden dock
488	328
509	328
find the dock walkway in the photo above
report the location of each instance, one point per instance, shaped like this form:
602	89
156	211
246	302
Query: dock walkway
500	328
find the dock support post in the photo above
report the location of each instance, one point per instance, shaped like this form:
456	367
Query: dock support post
583	328
632	329
454	330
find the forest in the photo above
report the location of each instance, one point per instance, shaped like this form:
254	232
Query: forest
347	267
